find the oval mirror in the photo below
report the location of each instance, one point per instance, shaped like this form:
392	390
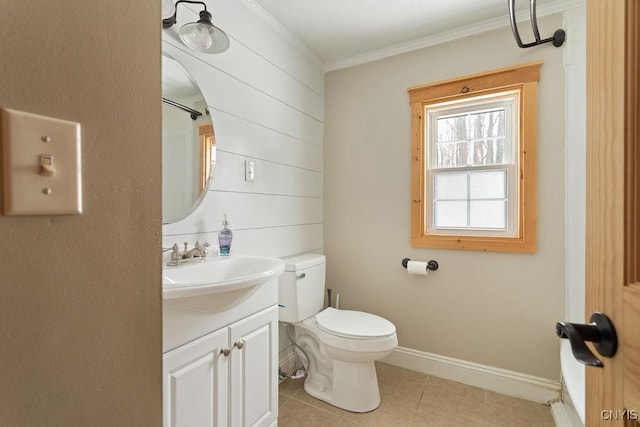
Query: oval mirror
188	142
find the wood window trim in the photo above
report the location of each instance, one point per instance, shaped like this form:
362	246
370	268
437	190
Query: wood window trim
207	141
523	78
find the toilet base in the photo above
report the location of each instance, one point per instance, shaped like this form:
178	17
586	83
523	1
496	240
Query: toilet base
354	386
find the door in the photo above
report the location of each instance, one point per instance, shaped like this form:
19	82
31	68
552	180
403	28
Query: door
195	382
613	205
254	369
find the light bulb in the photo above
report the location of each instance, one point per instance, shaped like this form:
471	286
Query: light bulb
202	36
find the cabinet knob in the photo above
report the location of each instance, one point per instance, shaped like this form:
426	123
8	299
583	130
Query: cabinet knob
225	351
239	344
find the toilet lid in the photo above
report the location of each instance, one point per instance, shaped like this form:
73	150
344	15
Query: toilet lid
354	324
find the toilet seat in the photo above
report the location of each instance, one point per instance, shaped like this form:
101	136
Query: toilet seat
354	324
380	341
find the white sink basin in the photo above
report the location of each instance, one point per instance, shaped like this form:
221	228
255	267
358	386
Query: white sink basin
217	275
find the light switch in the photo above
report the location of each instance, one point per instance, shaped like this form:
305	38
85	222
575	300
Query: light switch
41	165
249	171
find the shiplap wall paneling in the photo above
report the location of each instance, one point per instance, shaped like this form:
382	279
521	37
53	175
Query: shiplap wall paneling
266	99
226	93
249	139
273	241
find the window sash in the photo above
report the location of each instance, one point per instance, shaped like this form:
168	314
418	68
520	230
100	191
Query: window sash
507	101
510	200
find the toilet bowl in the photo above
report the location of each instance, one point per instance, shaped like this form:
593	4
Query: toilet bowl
341	345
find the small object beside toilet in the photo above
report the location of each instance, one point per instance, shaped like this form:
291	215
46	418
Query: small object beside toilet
329	299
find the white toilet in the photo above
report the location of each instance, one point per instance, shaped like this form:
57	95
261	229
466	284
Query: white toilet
341	344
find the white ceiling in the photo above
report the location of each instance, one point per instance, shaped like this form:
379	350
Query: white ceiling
344	32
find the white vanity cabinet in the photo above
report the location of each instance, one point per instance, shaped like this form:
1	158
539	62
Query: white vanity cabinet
225	378
195	383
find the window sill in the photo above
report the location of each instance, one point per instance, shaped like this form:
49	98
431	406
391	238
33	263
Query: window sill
476	243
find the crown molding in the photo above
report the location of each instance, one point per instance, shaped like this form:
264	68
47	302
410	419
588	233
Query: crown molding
398	49
492	24
378	54
281	30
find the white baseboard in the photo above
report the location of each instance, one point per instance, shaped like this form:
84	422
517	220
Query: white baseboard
564	415
511	383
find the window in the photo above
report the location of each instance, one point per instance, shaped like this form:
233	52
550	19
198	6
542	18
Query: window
471	165
474	160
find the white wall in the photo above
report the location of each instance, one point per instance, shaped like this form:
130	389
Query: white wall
266	103
573	372
494	309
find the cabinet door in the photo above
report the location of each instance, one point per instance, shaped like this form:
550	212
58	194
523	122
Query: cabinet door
254	369
196	383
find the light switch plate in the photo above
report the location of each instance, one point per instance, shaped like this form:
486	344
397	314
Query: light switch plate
249	171
41	165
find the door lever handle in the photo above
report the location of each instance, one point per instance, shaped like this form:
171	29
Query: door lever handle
599	331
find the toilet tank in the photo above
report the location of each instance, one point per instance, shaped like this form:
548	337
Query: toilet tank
301	287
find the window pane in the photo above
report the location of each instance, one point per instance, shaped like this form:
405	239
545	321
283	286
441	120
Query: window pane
497	152
452	154
488	135
452	129
489	152
488	214
487	124
447	186
450	214
471	139
488	184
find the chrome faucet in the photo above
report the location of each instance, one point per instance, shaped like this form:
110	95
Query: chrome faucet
199	251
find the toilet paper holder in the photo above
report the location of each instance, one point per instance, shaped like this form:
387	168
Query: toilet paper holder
431	265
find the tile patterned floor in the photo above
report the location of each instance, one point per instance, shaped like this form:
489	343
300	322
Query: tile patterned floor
411	399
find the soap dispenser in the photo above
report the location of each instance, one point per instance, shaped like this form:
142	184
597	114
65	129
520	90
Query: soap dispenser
225	237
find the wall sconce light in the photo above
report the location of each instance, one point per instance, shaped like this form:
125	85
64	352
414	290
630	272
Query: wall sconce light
201	35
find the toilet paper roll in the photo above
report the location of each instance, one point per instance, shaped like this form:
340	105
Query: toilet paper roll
417	267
